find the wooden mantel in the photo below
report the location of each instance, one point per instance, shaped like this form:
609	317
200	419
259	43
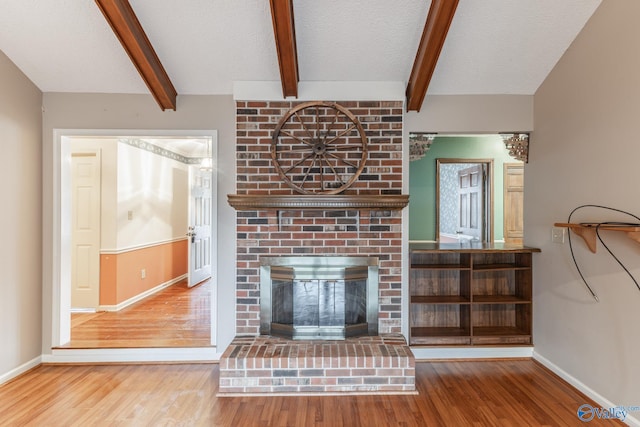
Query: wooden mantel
248	202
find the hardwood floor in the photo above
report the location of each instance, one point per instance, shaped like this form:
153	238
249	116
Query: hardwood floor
474	393
177	316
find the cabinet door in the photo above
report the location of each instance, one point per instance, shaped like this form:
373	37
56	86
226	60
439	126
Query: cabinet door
513	203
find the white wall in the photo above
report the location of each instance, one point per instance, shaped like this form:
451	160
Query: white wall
119	112
585	149
155	190
20	220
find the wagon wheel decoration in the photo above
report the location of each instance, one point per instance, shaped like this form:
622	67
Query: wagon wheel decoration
319	148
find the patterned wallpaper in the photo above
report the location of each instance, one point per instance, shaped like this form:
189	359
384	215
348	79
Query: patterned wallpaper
449	203
143	145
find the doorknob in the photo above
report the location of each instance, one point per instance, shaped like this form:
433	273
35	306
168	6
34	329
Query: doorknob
192	233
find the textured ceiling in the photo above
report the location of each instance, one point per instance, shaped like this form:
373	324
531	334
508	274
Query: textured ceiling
493	46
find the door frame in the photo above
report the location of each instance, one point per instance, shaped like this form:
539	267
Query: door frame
60	239
488	214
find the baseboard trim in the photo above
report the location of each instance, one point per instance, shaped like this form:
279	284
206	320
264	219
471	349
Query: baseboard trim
439	353
583	388
133	355
142	296
20	370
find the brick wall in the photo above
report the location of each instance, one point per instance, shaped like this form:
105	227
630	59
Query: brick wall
358	232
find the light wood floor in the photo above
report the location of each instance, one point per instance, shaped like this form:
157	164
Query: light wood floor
477	393
177	316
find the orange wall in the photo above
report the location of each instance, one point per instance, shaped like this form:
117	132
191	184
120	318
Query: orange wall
120	274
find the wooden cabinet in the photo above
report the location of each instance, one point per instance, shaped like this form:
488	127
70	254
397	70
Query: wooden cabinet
470	295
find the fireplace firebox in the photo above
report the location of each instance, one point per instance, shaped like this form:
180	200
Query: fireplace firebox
319	297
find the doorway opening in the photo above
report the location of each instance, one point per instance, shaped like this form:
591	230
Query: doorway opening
464	206
150	186
504	195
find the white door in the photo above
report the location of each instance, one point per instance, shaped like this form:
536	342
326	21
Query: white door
199	232
85	226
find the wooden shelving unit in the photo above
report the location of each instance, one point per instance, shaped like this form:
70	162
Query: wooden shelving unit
587	231
470	295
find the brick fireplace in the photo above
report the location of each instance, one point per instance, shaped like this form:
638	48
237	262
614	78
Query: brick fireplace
333	231
315	232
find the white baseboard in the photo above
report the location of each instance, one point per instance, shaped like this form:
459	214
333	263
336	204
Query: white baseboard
133	355
82	310
141	296
631	419
20	369
431	353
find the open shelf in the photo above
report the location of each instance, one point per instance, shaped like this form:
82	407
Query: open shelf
493	331
480	268
588	231
440	336
440	331
441	266
501	324
470	296
500	299
440	299
500	335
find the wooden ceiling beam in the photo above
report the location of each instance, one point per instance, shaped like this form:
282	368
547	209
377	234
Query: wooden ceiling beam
285	35
122	19
433	36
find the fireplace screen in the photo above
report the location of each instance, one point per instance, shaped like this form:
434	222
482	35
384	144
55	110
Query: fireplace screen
319	297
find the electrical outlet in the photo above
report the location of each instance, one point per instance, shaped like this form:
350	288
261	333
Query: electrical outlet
557	234
143	273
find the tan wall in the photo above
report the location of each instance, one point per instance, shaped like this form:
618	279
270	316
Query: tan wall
472	114
585	149
20	218
120	273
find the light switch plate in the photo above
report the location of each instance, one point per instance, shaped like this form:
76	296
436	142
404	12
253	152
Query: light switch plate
557	234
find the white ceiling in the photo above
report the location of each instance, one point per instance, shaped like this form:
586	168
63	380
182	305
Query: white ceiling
493	46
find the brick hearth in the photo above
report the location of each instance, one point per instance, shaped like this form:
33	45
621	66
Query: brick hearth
263	364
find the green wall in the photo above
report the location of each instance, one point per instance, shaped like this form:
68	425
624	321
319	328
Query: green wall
422	179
